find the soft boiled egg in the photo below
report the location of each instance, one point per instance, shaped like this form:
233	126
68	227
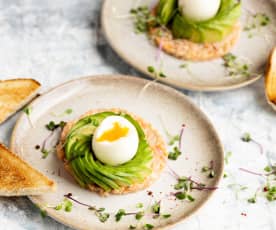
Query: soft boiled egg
199	10
115	141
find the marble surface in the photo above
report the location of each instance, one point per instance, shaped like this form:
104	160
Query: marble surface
55	41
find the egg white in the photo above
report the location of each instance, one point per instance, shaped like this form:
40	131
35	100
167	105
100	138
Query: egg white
199	10
118	151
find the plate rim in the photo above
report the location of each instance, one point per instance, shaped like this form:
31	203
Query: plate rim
178	85
67	222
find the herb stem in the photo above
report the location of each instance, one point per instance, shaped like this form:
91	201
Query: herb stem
251	172
69	196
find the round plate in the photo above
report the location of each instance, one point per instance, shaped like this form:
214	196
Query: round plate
157	104
138	51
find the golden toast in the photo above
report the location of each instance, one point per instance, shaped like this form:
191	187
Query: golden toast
270	78
14	94
17	178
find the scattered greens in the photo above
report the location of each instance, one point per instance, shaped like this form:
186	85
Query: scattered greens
139	205
186	185
148	227
52	125
156	207
66	205
256	21
139	215
234	67
157	74
209	170
120	214
174	139
99	212
174	154
132	227
43	213
143	19
227	156
246	137
27	111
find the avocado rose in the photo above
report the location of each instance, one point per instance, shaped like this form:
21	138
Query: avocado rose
112	169
196	30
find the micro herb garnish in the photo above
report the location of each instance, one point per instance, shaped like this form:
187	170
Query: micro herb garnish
66	112
246	137
156	74
139	215
99	212
174	139
120	214
166	216
156	207
52	125
174	154
184	65
66	205
139	205
187	184
257	21
45	153
227	156
234	67
143	19
27	110
148	227
132	227
43	213
269	188
209	170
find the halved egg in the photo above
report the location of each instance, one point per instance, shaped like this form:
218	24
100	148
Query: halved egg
115	141
199	10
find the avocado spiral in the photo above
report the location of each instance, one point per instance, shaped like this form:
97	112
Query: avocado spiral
87	169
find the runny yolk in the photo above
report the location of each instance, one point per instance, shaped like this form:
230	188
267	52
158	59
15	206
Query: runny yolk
113	134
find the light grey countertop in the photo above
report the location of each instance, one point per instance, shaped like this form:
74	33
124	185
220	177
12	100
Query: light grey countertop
55	41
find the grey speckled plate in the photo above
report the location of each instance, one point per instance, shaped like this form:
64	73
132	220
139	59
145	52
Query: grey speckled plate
139	52
156	103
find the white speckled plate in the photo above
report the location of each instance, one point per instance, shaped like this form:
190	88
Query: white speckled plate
139	52
157	104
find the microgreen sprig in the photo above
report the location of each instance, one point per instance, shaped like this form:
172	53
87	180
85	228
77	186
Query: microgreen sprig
99	212
246	137
209	170
234	67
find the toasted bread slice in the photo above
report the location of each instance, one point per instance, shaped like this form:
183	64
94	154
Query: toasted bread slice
17	178
270	78
14	94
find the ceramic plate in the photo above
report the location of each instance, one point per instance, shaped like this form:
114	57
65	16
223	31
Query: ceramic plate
139	52
163	107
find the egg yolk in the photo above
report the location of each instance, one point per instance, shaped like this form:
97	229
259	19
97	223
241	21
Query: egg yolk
113	134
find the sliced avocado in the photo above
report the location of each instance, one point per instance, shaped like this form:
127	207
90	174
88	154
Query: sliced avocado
166	10
212	30
88	170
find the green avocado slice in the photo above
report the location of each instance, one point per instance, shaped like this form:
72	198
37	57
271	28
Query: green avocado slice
166	10
212	30
88	170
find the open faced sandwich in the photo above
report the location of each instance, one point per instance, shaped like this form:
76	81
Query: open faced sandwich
112	151
196	30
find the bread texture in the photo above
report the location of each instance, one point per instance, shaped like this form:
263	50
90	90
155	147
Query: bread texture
270	77
191	51
14	94
155	141
17	178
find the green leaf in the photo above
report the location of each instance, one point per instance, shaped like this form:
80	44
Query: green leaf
139	215
139	205
166	10
156	208
27	110
148	227
120	214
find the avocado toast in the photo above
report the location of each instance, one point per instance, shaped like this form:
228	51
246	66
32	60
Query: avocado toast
137	174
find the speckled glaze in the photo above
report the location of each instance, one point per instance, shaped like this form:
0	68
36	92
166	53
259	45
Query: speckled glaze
155	103
203	76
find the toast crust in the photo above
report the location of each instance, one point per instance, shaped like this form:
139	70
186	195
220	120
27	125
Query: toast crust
14	94
188	50
17	178
154	139
270	77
